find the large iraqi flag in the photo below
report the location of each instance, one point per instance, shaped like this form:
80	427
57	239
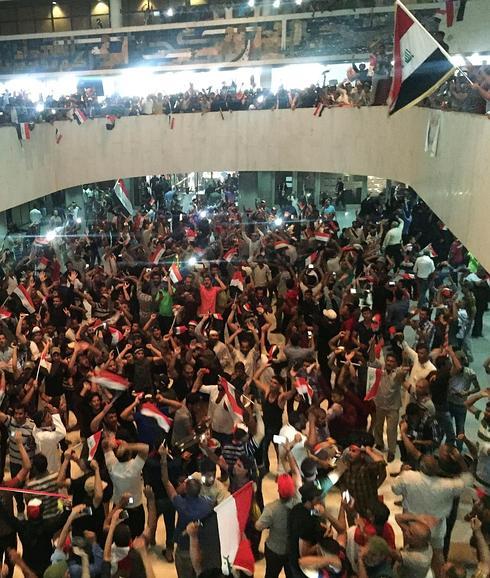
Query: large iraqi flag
223	537
421	64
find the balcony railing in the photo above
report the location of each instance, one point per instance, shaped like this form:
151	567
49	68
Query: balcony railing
325	36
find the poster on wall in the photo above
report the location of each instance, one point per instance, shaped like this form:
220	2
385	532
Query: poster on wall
432	133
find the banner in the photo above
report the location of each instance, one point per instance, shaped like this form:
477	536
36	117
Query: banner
432	133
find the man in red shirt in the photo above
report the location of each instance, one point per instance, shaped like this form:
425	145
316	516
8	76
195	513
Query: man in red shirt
209	293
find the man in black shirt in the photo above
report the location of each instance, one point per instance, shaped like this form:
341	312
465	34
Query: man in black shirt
304	526
439	389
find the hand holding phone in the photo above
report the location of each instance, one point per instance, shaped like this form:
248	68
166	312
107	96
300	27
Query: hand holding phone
279	440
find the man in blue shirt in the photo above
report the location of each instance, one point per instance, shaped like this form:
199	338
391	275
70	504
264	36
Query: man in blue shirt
190	507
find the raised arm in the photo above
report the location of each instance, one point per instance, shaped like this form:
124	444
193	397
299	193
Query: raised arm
472	399
169	487
26	462
98	488
115	520
481	547
98	419
260	428
74	514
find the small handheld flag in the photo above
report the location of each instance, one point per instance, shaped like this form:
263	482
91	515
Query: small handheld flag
123	196
24	131
322	237
25	298
230	254
373	380
79	116
93	443
175	274
230	396
303	387
110	380
151	410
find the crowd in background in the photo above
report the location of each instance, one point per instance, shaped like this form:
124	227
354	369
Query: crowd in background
155	363
359	89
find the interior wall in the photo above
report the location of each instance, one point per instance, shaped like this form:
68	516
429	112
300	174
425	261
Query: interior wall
362	141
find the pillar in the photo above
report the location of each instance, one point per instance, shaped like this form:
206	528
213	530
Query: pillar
116	14
266	186
296	192
247	185
265	80
318	188
3	226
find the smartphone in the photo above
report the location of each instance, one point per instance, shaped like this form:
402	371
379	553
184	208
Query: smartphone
391	283
279	439
124	515
353	291
346	496
86	511
130	501
310	334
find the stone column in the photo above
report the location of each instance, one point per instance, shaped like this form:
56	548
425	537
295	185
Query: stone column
116	14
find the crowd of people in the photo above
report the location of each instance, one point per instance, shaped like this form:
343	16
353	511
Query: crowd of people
357	90
154	365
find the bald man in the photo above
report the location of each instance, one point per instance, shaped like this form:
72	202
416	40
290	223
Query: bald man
414	559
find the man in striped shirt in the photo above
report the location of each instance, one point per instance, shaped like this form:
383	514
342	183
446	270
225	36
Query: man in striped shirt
43	481
19	422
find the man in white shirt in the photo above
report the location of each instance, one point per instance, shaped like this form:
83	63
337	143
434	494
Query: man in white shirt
427	491
223	420
392	243
421	363
48	432
125	471
423	269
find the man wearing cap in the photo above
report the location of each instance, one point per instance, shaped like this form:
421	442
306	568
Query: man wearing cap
36	534
275	519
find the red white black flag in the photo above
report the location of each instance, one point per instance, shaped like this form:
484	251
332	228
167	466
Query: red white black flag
421	64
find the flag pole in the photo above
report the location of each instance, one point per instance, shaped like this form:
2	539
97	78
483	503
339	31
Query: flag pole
443	50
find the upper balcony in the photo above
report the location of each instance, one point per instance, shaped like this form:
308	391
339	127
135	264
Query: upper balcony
326	37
